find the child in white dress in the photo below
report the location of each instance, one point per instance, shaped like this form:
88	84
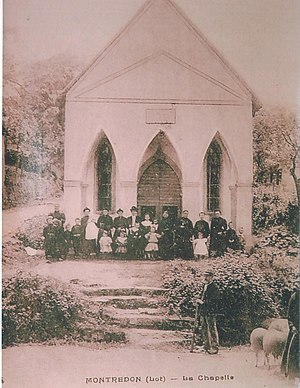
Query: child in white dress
121	242
200	247
147	221
105	243
241	238
152	237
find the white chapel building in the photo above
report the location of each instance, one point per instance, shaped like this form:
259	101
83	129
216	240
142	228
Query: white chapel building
160	121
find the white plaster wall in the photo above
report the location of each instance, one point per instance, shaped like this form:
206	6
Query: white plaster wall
125	127
175	51
130	136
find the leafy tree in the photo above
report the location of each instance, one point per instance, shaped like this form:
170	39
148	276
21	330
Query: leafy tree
276	152
275	146
33	120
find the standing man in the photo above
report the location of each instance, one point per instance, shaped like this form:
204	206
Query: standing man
86	216
58	215
166	242
290	357
208	310
50	236
184	233
60	240
218	229
134	218
77	232
201	226
84	221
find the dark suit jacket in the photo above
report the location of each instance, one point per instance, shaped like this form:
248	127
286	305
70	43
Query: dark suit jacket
218	227
59	216
203	227
129	220
105	222
120	222
84	220
210	298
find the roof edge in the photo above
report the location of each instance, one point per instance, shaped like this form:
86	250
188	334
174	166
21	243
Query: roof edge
212	48
115	39
232	72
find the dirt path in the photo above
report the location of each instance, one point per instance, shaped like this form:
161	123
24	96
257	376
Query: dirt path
107	273
148	353
13	218
77	367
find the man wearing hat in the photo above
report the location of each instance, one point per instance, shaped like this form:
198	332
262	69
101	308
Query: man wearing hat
208	310
134	218
84	246
57	214
218	227
183	237
50	234
86	215
166	242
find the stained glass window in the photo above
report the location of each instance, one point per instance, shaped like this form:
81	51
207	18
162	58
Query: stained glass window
213	176
104	172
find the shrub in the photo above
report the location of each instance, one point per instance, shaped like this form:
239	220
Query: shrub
273	209
31	232
38	310
268	209
249	293
293	221
276	240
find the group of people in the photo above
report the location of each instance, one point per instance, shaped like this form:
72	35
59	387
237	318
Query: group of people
166	238
134	237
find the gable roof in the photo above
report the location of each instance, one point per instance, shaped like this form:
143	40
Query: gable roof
154	77
159	26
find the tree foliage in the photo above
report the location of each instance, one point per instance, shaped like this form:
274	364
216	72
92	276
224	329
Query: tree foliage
276	153
276	146
37	309
33	123
251	290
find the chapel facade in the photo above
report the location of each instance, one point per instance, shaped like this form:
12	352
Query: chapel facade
159	120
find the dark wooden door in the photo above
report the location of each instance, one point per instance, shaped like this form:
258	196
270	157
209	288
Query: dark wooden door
159	187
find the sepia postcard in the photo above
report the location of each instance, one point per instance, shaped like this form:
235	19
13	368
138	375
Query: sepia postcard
150	193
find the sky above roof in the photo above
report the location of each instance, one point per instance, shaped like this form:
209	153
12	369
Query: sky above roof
260	39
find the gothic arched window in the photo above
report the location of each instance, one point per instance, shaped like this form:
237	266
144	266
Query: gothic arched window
213	176
104	175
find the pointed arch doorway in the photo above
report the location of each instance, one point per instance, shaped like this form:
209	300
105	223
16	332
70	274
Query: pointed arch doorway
159	189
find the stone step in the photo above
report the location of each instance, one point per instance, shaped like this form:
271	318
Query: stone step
147	318
129	302
97	290
157	339
135	312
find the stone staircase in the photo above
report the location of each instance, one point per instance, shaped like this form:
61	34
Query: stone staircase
141	313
